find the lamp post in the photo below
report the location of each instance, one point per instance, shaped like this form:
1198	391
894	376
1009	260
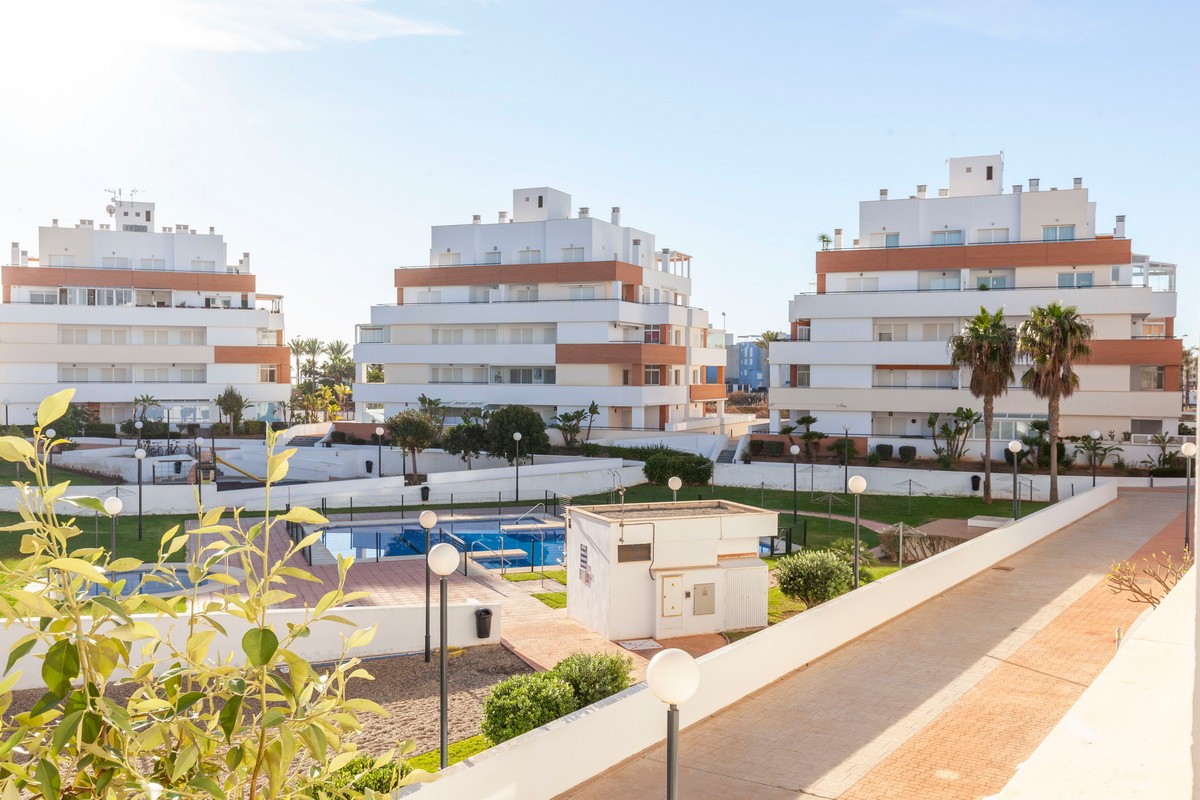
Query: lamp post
200	470
379	442
428	520
168	430
517	487
795	451
857	485
112	507
138	426
846	461
675	484
1189	452
1093	444
6	413
673	677
443	559
139	454
1014	447
50	456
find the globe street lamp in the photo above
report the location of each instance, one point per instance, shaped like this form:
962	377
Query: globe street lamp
675	484
379	443
517	487
443	559
1189	452
673	677
50	456
795	451
112	507
200	470
140	455
1093	445
857	485
1014	447
428	520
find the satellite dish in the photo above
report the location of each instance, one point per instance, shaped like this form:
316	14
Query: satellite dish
111	209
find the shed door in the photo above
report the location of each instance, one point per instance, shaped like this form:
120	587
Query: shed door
672	595
745	598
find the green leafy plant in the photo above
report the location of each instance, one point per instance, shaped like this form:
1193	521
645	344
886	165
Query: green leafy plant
845	448
569	424
757	446
467	441
524	702
594	676
690	468
204	712
908	453
814	576
884	451
774	448
413	431
873	458
504	422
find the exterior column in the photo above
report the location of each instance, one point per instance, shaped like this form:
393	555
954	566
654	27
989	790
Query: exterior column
637	417
774	419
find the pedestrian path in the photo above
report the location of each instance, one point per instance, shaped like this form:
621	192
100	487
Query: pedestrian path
945	701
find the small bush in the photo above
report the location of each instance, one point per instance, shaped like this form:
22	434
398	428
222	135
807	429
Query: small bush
524	702
594	676
873	458
884	451
361	773
690	468
102	429
774	448
757	446
907	453
254	427
814	576
220	429
845	449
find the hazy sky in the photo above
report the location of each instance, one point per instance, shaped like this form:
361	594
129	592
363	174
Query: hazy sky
326	136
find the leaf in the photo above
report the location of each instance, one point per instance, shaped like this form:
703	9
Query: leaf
260	645
14	448
272	718
296	572
361	637
79	567
124	564
67	727
90	503
48	780
230	715
187	700
25	644
34	604
60	667
184	761
212	517
304	516
277	467
113	606
133	631
207	785
51	409
197	645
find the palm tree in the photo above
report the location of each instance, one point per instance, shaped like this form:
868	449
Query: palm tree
297	347
988	347
824	240
1054	338
142	404
763	342
311	349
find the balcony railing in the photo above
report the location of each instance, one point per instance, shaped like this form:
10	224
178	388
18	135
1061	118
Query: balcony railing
967	244
997	289
229	270
892	386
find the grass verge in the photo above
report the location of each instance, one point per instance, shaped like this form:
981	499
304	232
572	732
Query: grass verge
552	599
559	575
456	752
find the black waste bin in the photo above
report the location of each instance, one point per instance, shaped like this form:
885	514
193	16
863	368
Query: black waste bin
424	493
975	481
370	467
178	467
483	622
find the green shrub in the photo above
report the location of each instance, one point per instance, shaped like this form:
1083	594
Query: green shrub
845	449
102	429
814	576
774	448
254	427
690	468
594	676
220	429
884	451
873	458
907	453
757	446
362	773
1168	472
524	702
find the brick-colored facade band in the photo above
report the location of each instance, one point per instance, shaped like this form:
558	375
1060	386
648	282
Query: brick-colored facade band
619	353
976	256
127	279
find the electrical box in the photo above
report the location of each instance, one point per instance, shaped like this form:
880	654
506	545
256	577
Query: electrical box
672	595
704	598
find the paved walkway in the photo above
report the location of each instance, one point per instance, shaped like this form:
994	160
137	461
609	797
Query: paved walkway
945	701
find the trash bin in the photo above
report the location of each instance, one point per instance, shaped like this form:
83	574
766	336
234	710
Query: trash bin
424	493
975	481
178	467
370	467
483	622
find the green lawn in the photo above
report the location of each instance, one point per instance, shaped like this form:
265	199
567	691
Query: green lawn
553	599
14	472
96	531
456	752
559	575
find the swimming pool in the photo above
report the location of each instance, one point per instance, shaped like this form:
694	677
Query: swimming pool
493	543
141	582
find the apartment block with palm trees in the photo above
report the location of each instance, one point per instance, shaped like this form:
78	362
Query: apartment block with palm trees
130	308
868	349
550	310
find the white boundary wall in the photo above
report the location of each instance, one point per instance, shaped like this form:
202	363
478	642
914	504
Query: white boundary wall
400	629
556	757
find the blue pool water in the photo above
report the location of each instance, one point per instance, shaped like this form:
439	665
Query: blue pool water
137	582
482	539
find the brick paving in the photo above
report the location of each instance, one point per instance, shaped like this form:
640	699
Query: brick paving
945	701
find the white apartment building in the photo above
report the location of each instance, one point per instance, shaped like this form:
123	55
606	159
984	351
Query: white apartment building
118	310
550	311
869	349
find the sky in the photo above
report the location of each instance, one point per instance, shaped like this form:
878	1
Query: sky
327	136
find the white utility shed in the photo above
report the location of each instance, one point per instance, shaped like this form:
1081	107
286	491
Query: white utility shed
660	570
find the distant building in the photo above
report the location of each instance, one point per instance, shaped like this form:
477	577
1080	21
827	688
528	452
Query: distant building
119	310
551	311
869	349
745	367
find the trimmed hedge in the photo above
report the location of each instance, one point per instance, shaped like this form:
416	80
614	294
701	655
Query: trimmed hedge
907	453
774	448
524	702
101	429
594	676
757	446
884	451
690	468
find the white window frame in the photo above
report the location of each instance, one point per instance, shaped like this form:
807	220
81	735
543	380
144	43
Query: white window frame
945	238
1058	233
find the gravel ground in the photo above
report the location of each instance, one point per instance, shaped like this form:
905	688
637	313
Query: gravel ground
408	688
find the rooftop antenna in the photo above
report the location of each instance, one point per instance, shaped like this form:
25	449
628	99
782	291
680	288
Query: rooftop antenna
133	193
114	195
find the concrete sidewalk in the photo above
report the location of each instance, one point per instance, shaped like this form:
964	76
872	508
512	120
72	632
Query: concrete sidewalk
945	701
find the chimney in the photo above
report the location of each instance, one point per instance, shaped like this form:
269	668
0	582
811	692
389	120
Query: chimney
475	219
246	261
922	188
503	216
1119	231
1033	184
53	223
856	242
943	192
883	194
637	251
583	212
616	215
837	238
16	254
1017	188
211	230
1079	183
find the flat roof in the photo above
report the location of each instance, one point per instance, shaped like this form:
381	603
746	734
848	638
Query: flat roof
681	509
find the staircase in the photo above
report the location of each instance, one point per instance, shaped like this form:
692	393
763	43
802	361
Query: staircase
726	456
305	441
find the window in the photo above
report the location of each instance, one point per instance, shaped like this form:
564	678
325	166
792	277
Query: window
803	375
946	237
447	335
62	260
480	294
624	377
1145	427
109	297
446	375
989	172
883	425
539	201
891	377
268	373
582	292
1075	280
114	336
991	281
72	336
192	375
449	259
529	256
1153	330
115	262
520	336
652	376
202	265
891	332
524	294
194	336
652	334
44	298
374	373
154	263
891	240
114	375
937	331
530	375
676	337
491	257
485	336
371	335
991	235
862	284
154	375
939	378
944	283
1149	379
1058	233
429	297
72	375
154	336
550	335
572	254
